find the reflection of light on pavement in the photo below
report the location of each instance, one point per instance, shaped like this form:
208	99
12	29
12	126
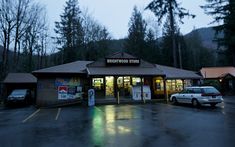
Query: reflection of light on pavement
112	120
97	127
109	114
222	106
108	122
123	130
113	129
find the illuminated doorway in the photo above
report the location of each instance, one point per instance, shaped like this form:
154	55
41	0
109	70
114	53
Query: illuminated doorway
124	86
109	87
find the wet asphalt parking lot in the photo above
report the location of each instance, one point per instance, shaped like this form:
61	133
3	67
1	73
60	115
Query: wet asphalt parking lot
120	125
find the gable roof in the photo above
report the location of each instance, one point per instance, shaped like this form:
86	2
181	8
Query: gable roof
176	73
20	78
121	55
217	72
73	67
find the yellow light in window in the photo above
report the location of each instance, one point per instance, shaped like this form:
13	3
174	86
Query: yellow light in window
158	81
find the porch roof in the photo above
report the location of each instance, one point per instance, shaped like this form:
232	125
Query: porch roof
176	73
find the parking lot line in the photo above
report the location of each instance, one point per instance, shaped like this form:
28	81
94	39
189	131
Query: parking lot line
32	115
58	114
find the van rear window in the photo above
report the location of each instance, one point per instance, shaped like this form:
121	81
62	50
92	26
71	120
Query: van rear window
210	90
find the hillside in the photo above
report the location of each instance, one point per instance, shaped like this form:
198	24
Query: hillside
116	45
206	35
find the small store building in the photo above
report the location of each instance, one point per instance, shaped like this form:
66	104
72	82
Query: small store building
120	76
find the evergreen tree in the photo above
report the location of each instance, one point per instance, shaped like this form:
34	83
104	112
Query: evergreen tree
166	46
184	56
70	32
135	43
223	11
197	55
153	53
171	8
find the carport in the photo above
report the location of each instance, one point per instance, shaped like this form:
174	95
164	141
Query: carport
19	81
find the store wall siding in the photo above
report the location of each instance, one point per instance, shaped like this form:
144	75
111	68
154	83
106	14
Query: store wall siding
47	91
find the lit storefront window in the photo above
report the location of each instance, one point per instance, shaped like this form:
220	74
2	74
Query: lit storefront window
109	87
159	84
174	85
98	83
179	85
136	81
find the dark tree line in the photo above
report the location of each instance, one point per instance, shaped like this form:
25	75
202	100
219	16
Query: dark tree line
25	39
22	29
223	12
175	50
79	36
173	11
143	42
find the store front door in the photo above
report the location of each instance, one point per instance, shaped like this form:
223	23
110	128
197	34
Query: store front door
109	87
124	86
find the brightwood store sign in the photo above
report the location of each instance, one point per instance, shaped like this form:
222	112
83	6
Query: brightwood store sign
115	61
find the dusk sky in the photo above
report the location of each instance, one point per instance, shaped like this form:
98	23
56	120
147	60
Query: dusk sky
115	14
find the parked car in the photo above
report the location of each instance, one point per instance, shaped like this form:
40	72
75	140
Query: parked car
197	96
19	96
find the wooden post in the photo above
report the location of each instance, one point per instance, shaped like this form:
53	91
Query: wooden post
183	83
142	91
118	98
165	89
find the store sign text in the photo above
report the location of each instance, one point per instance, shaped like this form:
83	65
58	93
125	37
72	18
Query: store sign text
114	61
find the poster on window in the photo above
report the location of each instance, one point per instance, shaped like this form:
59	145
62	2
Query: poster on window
69	88
62	92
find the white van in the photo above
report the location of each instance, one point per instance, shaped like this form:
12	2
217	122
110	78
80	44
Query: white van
197	96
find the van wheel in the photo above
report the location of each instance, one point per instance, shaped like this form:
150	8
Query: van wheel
174	101
195	103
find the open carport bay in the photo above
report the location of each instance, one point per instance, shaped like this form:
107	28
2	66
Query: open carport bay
120	125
